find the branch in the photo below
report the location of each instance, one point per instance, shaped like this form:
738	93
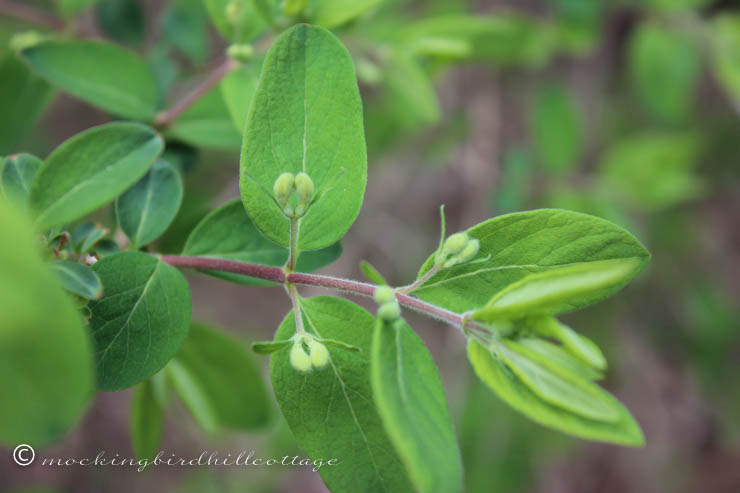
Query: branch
29	14
277	274
165	118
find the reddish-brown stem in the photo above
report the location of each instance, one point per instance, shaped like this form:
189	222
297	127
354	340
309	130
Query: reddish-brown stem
164	118
29	14
277	274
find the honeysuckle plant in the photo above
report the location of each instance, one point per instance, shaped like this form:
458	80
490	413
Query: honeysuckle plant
353	385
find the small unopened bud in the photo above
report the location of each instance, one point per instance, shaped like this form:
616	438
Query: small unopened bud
240	52
469	251
384	294
318	353
234	11
455	243
24	40
283	187
304	188
299	359
389	311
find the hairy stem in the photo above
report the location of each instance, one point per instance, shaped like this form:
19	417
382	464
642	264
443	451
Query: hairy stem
277	274
29	14
293	250
294	299
411	287
166	117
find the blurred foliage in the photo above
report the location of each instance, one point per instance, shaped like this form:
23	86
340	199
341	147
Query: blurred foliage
651	143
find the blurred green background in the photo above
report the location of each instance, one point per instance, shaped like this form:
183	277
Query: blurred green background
628	110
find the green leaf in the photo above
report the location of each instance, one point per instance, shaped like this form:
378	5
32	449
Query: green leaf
410	85
245	24
184	25
664	68
146	210
576	344
238	89
654	171
559	388
142	319
100	73
218	382
46	369
560	290
228	233
412	404
306	116
546	353
267	347
725	45
207	124
556	128
23	98
372	273
335	416
517	245
90	169
85	236
503	38
510	389
121	20
78	279
332	13
147	417
16	175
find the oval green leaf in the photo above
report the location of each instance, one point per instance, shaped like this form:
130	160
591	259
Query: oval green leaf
331	411
559	388
516	245
306	116
23	99
412	404
91	169
16	176
78	279
216	378
101	73
147	416
559	290
46	365
228	233
142	319
146	210
505	384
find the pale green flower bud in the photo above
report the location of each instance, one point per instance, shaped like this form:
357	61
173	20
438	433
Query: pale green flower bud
389	311
455	243
304	188
469	251
318	353
234	11
299	359
26	39
384	294
283	187
240	52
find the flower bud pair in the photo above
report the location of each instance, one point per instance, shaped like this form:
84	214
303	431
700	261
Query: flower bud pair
317	356
242	53
457	249
386	298
284	186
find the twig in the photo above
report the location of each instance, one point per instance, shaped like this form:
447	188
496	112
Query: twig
166	117
277	274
